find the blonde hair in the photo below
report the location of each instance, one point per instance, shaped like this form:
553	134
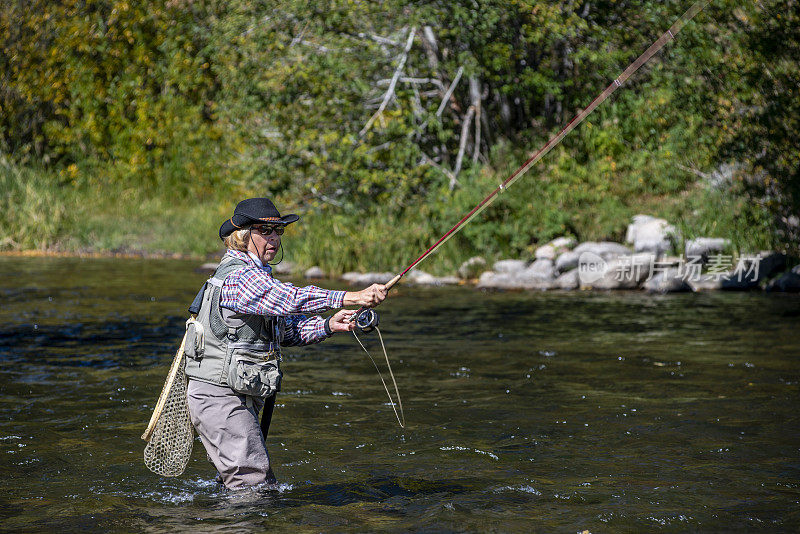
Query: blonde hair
237	240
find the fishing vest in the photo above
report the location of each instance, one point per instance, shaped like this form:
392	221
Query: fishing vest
222	347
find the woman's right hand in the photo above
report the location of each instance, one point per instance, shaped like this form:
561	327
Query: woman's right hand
369	297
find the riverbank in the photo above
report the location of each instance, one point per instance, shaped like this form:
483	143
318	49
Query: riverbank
46	213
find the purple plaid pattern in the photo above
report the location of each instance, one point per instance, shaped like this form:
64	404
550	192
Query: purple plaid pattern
253	290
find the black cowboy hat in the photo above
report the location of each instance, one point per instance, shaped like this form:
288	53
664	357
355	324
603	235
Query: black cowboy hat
252	211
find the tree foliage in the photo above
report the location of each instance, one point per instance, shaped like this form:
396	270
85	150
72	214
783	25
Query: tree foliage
204	96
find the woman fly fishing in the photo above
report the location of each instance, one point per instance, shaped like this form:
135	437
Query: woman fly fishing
234	344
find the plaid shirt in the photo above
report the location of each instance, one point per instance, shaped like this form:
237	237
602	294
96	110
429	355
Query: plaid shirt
253	290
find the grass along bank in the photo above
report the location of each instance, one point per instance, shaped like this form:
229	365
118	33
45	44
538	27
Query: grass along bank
590	199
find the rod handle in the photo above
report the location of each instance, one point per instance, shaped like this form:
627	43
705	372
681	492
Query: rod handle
393	281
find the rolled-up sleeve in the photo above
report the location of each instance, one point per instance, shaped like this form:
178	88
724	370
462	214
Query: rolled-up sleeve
302	330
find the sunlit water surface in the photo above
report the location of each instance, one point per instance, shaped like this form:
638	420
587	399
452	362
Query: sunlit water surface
608	412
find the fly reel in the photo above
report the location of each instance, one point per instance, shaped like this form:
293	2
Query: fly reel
366	320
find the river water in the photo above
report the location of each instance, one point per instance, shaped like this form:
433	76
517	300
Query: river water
607	412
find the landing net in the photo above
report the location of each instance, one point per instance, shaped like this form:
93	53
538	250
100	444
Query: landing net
170	434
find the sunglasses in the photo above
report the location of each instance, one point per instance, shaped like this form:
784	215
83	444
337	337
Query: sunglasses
267	229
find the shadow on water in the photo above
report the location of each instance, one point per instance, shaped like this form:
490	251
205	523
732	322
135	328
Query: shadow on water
120	343
374	490
526	412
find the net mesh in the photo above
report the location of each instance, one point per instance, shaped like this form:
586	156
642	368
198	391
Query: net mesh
170	445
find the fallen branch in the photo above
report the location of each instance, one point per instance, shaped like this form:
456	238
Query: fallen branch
390	91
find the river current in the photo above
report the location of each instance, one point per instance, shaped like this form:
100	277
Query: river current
551	412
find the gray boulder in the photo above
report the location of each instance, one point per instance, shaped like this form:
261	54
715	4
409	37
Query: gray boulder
495	280
314	272
669	261
702	247
747	272
568	280
555	247
605	249
515	280
567	261
667	281
623	272
750	270
421	278
207	267
509	266
284	267
706	282
650	234
546	252
472	267
541	268
351	276
714	281
563	243
367	279
787	282
770	263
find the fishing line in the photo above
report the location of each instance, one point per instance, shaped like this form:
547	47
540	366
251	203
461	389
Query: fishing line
385	387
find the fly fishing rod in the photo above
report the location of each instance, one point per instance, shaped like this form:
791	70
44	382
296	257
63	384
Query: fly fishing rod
366	319
555	140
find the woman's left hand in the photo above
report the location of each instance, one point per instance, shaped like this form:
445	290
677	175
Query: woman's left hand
340	321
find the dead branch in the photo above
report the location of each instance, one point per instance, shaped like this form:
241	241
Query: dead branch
415	81
380	147
417	109
475	97
379	39
321	48
390	91
449	92
426	160
462	143
325	198
431	48
486	131
299	37
697	172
